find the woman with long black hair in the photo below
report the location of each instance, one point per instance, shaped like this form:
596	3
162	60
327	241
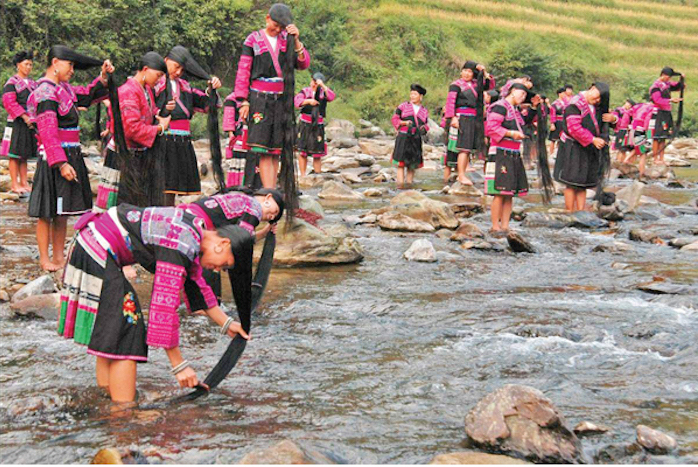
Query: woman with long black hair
411	123
312	102
61	184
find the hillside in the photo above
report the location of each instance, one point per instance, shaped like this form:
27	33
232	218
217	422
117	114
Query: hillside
371	50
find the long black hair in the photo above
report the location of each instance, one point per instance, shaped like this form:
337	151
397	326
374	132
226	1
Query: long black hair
546	180
288	175
215	138
480	114
604	153
679	117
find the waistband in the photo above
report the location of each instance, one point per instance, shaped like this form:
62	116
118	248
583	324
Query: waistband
108	226
184	134
508	145
69	136
180	125
468	111
264	86
307	118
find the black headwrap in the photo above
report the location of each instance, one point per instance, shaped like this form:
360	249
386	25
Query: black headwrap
22	56
418	88
470	65
494	95
560	90
278	198
182	56
667	70
631	102
80	61
154	61
281	14
522	87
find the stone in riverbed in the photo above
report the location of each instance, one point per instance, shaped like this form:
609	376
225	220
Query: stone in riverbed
520	421
466	209
335	191
40	286
286	452
639	235
421	250
458	189
691	247
337	128
399	222
374	192
467	231
518	244
474	458
305	245
681	242
655	441
588	428
613	247
659	172
365	160
41	306
631	194
414	204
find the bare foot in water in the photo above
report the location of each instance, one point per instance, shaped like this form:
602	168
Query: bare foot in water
50	266
466	181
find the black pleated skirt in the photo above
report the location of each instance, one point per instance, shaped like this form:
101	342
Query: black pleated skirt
52	195
311	139
408	151
181	168
22	143
577	166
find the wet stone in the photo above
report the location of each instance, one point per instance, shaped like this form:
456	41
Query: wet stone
38	306
422	251
586	428
518	244
655	441
285	452
40	286
474	458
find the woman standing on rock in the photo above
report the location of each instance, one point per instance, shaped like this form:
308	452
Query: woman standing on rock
410	120
662	124
621	129
579	158
505	175
61	184
141	126
464	109
264	90
311	131
100	308
180	164
557	110
19	139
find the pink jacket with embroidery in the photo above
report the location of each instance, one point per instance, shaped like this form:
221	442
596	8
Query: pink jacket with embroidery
574	122
660	93
463	93
15	94
405	111
137	114
260	61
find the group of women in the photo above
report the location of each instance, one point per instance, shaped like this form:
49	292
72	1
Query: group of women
501	127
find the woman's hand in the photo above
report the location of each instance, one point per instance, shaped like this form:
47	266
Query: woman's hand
552	127
598	143
609	118
312	102
235	329
107	67
187	378
27	120
164	121
517	135
263	232
215	82
293	30
171	104
406	123
244	112
68	172
676	100
455	123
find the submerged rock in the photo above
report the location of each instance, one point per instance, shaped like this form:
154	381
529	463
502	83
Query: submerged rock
690	247
305	244
518	244
613	247
655	441
40	286
467	209
581	219
474	458
520	421
421	250
639	235
286	452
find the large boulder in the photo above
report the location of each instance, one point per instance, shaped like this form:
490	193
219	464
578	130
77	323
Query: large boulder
520	421
458	189
376	148
416	205
335	191
286	452
304	244
40	286
421	250
399	222
474	458
336	129
38	306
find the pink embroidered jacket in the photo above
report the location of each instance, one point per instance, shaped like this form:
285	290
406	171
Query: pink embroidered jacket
54	109
405	111
188	101
15	94
503	117
642	117
462	97
580	121
660	93
260	62
230	113
138	112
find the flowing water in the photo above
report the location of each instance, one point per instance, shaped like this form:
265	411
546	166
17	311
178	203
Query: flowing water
380	362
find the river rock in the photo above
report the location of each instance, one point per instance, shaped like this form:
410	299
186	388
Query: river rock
681	184
639	235
371	132
458	189
40	286
5	297
466	209
337	128
421	250
581	219
286	452
376	148
416	205
467	231
41	306
655	441
317	180
5	183
588	428
474	458
436	134
350	177
659	172
681	242
520	421
344	142
691	247
304	244
365	160
518	244
402	223
334	191
481	245
309	204
628	170
666	288
337	164
613	247
631	194
374	192
518	213
107	456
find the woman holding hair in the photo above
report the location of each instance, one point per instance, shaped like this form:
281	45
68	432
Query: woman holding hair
312	101
579	161
410	120
19	139
505	175
61	184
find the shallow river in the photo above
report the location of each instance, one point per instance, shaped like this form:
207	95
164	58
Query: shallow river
380	362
